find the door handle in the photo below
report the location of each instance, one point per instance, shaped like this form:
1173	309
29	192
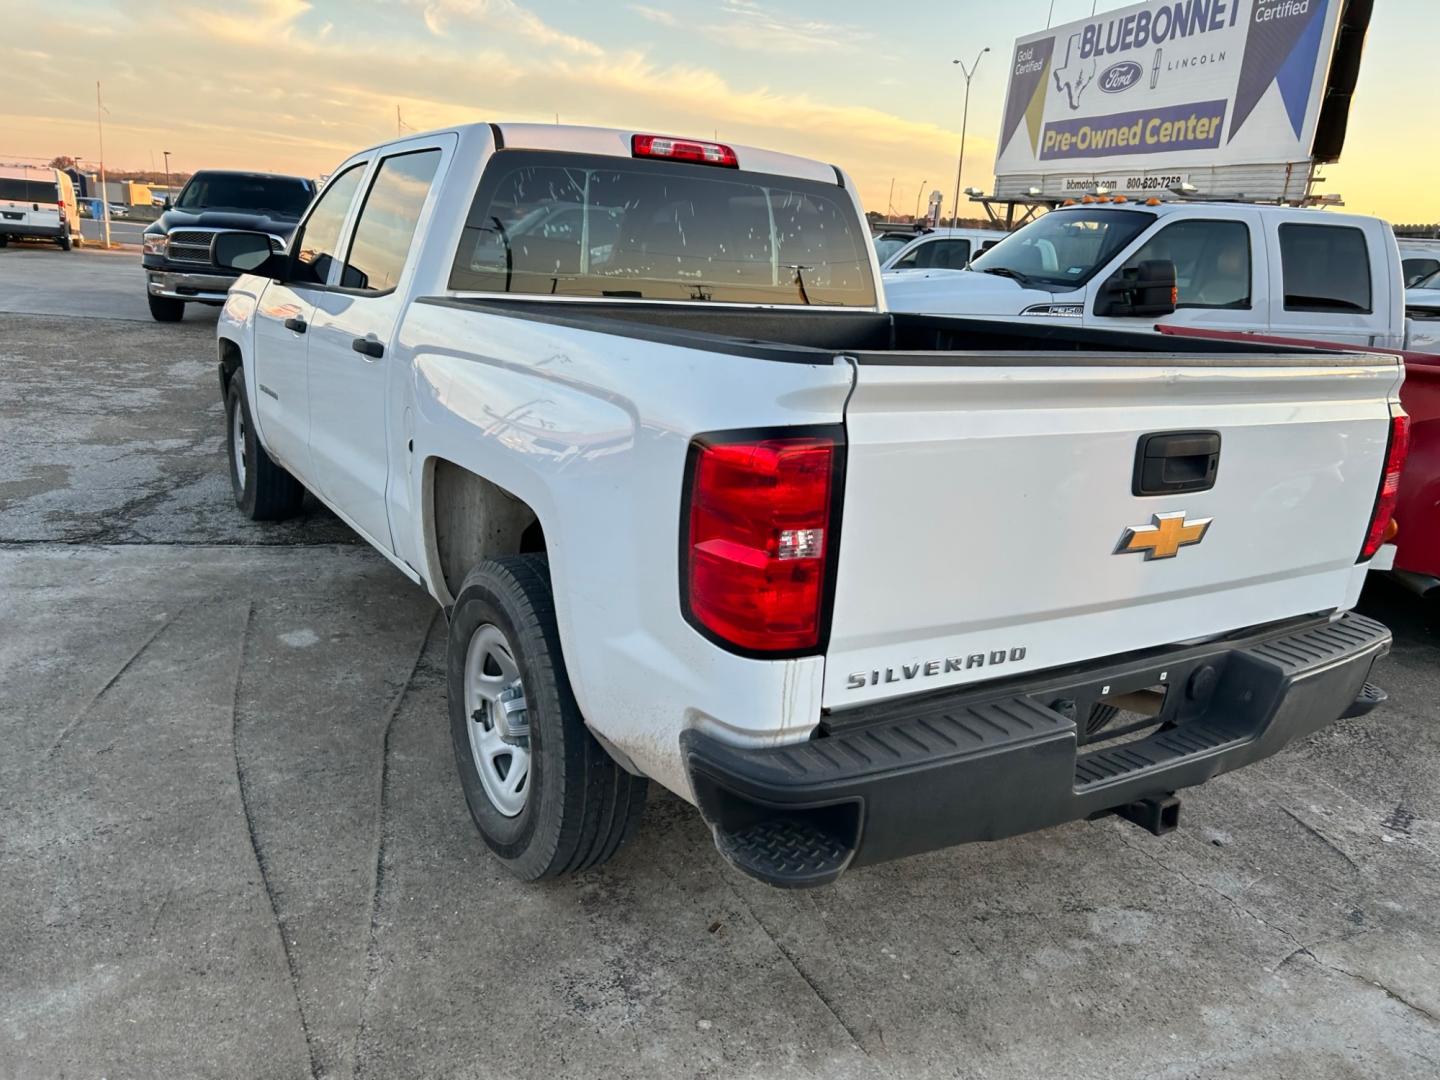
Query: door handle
297	324
1176	462
368	346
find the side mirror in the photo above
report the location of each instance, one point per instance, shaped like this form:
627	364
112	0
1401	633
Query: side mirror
248	252
1146	291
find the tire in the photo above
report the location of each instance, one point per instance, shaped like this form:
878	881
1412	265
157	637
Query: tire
163	309
263	490
4	239
579	807
63	240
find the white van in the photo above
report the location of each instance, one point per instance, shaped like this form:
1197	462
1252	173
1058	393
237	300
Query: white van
38	203
1238	267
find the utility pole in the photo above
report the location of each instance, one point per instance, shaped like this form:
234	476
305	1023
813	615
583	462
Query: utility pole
965	122
890	202
397	121
917	198
167	172
104	188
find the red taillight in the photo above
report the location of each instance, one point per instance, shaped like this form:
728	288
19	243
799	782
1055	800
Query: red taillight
1384	516
701	153
760	537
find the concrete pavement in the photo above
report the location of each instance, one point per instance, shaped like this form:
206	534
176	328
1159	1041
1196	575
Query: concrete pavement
232	842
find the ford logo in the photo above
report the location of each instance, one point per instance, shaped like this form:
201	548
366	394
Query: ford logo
1120	76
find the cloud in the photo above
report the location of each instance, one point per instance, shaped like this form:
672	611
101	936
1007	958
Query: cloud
504	15
655	15
752	26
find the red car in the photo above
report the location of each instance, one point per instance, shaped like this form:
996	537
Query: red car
1417	561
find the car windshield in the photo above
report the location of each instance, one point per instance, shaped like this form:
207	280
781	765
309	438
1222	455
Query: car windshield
885	246
1064	249
278	196
580	225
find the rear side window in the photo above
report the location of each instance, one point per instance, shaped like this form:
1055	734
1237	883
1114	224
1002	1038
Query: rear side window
1212	261
1326	268
318	244
14	189
582	225
387	221
936	254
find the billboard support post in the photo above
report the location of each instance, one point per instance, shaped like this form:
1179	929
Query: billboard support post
965	124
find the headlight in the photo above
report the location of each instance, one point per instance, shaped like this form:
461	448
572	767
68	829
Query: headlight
154	243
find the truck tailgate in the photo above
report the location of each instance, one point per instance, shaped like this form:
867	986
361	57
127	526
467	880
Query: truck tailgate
987	502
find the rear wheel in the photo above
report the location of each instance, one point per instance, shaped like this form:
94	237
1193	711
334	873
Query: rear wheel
163	309
63	240
263	490
546	797
4	239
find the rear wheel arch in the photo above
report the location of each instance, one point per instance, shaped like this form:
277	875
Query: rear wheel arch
468	520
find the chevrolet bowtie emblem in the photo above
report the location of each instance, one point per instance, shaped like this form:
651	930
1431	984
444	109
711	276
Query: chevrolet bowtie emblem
1164	536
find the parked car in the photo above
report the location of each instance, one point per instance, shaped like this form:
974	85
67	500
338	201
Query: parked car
941	249
119	211
701	511
176	247
1238	267
1419	259
38	204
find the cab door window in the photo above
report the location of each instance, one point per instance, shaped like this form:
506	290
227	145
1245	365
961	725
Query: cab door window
317	243
386	227
1212	262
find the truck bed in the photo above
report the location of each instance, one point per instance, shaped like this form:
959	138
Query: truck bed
802	335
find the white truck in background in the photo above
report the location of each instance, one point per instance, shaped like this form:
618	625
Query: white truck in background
701	511
1244	268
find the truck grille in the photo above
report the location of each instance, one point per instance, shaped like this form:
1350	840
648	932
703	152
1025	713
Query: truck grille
192	246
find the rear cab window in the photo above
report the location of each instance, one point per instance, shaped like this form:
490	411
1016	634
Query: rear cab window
561	224
1326	268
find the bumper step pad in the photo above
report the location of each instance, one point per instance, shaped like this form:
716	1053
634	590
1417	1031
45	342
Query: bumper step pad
791	853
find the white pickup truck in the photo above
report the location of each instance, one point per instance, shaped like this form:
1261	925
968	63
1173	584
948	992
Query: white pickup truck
1269	270
701	511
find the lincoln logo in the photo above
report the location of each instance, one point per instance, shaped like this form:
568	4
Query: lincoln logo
1164	536
1121	76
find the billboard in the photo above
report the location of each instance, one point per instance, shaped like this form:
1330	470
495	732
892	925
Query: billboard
1223	94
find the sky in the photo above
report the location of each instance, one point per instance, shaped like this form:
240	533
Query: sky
298	85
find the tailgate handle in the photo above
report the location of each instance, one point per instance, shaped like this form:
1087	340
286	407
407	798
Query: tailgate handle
1176	462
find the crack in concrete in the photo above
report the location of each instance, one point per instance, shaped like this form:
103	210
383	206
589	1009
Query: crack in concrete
1301	949
377	878
75	722
794	963
261	863
1318	835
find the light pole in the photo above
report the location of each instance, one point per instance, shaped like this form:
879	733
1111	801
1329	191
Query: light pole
167	172
917	199
965	124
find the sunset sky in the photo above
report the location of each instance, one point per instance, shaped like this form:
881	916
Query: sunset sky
295	86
